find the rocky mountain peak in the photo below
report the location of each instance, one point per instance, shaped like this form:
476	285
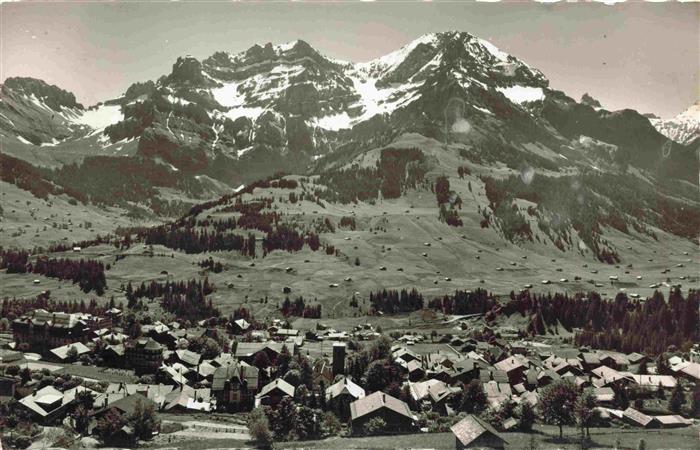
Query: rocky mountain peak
52	96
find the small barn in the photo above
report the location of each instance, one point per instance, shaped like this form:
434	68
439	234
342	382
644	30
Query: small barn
472	432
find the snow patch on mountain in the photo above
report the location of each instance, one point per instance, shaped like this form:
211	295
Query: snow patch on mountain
522	94
101	117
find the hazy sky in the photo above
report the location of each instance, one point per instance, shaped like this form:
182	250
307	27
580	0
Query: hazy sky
644	56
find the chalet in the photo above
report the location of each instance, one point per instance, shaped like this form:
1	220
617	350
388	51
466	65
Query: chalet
673	421
272	393
395	413
604	396
405	354
688	370
240	326
415	370
655	381
247	351
188	399
492	374
186	357
420	391
235	385
636	358
514	368
473	432
341	394
440	394
465	370
590	361
63	353
49	405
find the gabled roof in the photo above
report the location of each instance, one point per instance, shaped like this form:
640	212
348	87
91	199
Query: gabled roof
420	390
277	384
470	428
510	364
238	370
604	394
345	386
637	417
188	357
376	401
62	351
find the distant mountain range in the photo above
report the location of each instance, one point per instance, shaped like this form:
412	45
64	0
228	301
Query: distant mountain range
211	126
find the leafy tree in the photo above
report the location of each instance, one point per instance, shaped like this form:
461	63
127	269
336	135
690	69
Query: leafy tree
642	370
109	424
72	353
695	401
376	377
474	398
259	428
675	403
585	411
526	416
283	418
144	420
305	424
557	404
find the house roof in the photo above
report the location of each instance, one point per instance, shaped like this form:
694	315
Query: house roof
604	394
235	369
637	417
345	386
420	390
510	364
62	351
688	368
246	349
666	381
188	357
673	420
280	384
470	428
376	401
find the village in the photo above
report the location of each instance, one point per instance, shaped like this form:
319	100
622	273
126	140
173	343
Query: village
75	379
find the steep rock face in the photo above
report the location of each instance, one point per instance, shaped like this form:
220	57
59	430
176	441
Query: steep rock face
684	128
37	113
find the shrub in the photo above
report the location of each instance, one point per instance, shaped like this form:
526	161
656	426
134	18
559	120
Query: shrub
374	426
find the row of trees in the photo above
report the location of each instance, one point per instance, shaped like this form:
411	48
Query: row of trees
185	299
298	307
627	325
392	301
88	274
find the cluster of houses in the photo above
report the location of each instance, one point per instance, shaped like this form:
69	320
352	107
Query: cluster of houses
182	380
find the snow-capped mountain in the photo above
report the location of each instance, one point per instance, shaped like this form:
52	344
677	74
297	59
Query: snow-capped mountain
684	128
233	118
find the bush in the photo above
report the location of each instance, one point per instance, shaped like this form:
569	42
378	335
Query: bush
374	426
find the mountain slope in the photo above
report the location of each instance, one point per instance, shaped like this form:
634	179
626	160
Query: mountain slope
213	125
